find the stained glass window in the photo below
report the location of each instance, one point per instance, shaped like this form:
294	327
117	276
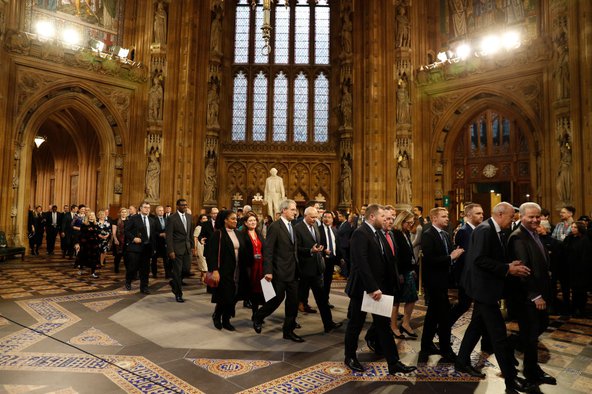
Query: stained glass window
280	108
239	109
283	97
321	109
260	107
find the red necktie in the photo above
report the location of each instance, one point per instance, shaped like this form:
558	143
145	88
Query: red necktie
390	242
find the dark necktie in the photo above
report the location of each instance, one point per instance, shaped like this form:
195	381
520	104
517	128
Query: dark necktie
377	234
445	241
312	232
291	232
161	222
502	238
329	241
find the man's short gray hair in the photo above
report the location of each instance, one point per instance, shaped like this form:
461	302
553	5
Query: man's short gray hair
286	204
529	205
502	208
309	211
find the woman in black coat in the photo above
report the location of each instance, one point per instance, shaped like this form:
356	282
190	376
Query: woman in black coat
226	260
254	243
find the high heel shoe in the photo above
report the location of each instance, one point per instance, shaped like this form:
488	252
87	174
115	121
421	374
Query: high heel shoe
411	334
399	336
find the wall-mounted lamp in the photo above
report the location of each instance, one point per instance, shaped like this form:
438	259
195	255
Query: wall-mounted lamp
39	139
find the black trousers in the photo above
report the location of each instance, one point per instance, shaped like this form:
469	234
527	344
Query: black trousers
437	320
460	308
532	323
289	291
52	234
138	262
382	332
177	272
316	285
160	252
328	274
488	318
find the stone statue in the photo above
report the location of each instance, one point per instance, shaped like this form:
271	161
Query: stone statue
274	192
153	178
403	103
155	98
514	11
458	11
213	106
403	37
160	24
346	30
210	181
346	107
403	180
564	178
346	183
561	72
216	34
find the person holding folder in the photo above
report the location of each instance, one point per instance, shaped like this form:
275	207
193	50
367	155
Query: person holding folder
372	273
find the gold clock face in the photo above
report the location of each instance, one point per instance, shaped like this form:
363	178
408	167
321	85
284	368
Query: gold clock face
489	170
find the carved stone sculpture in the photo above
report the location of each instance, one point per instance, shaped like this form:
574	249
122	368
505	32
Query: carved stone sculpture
160	24
155	100
458	10
403	103
564	177
274	192
403	37
346	108
210	181
213	106
403	180
346	183
153	178
216	34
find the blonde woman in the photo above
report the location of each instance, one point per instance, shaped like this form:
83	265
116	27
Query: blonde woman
88	248
104	235
404	222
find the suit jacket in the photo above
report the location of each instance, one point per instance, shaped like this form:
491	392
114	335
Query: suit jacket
310	264
160	241
522	246
179	238
134	227
48	221
486	265
370	269
336	255
436	261
405	256
462	238
280	254
346	229
66	224
207	230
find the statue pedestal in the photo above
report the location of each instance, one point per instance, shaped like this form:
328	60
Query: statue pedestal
403	207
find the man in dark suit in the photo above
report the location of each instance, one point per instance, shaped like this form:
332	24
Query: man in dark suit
208	228
486	268
332	252
141	232
312	264
473	218
64	241
438	258
374	274
161	249
179	244
280	266
532	292
345	231
53	222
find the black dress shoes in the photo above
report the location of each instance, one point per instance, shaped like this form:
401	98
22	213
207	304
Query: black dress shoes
331	306
545	378
257	326
332	327
217	322
519	385
179	299
144	291
297	325
448	357
468	369
308	309
128	286
353	364
409	334
399	367
227	326
293	337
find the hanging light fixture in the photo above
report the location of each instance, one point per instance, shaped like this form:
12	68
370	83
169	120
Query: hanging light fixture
266	28
39	139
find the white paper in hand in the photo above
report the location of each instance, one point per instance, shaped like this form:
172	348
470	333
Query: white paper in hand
268	291
382	307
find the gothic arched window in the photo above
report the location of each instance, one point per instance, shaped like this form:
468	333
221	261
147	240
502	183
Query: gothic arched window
282	97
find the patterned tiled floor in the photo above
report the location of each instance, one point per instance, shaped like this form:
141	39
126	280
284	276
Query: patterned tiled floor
90	352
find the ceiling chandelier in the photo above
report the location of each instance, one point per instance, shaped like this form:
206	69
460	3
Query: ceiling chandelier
266	28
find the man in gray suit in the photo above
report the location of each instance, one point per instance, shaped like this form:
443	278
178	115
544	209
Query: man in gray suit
179	242
280	266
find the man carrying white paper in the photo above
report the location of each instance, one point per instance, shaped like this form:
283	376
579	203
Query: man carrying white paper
374	274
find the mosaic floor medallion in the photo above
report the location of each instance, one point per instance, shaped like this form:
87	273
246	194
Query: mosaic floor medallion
98	306
93	336
227	368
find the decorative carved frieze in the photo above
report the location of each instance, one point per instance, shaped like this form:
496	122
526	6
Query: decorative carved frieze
30	82
121	100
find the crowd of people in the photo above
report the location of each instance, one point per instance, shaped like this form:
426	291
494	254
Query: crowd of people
516	254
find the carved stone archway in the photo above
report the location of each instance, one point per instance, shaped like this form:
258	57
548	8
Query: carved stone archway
108	124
